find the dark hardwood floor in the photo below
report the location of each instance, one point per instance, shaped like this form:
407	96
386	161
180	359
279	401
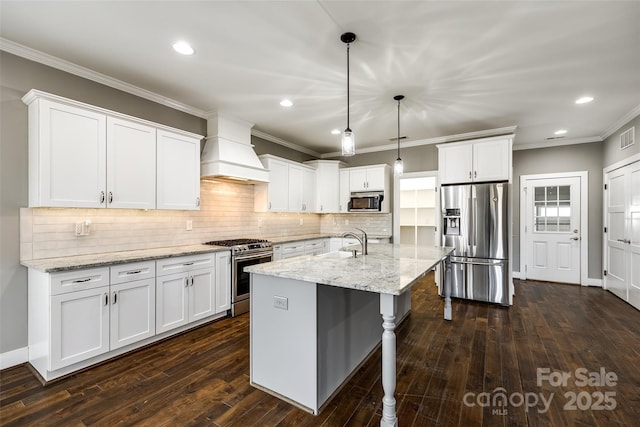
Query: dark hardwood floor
201	378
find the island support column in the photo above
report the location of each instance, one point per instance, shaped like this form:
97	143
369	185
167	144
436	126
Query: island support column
447	288
388	309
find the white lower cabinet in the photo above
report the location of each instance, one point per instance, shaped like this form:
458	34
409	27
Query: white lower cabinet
300	247
81	317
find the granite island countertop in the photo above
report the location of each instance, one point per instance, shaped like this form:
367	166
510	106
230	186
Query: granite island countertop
276	240
53	265
387	269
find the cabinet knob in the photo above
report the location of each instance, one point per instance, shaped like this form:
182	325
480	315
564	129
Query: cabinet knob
110	197
469	174
101	197
197	201
475	174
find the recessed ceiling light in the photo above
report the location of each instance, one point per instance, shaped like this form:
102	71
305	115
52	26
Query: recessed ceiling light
560	132
183	48
335	132
286	103
584	99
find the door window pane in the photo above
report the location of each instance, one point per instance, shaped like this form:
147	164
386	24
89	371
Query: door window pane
552	209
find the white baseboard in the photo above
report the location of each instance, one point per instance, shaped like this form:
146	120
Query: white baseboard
14	357
515	274
593	282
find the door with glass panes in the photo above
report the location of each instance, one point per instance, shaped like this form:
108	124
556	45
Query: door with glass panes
553	229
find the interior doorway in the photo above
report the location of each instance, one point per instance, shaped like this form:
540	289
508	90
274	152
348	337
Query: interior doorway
415	209
554	230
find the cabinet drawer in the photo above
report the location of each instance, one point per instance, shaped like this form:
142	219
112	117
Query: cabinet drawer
313	244
293	249
184	263
79	280
133	271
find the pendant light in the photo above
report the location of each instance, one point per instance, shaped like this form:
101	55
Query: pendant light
348	137
398	167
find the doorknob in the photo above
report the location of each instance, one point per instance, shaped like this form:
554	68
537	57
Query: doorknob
575	238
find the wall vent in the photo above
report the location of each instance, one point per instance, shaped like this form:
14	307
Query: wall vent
627	138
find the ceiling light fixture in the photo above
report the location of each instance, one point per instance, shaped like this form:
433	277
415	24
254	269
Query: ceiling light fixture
398	167
348	137
183	47
560	132
335	132
584	99
286	103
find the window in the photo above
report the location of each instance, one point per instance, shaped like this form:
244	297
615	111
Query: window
552	209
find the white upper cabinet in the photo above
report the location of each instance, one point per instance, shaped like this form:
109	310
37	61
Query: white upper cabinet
67	156
274	195
295	188
345	194
178	175
475	161
131	164
87	157
308	189
327	185
369	178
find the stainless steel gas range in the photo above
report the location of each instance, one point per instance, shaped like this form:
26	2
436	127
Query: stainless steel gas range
244	252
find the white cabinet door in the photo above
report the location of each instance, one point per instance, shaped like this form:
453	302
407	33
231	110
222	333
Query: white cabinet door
308	190
491	160
295	188
79	326
327	189
274	196
172	301
376	178
178	171
133	312
455	164
202	294
67	148
345	192
131	165
277	252
223	281
358	180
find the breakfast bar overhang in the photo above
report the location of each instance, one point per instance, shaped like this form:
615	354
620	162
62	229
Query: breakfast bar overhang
316	319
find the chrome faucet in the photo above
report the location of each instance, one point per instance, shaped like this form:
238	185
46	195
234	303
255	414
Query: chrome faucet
361	239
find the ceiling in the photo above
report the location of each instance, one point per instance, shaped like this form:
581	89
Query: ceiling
464	67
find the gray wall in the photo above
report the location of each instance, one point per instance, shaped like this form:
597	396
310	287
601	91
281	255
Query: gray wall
262	146
18	77
415	159
568	158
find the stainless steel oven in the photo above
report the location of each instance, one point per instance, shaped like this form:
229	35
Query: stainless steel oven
244	252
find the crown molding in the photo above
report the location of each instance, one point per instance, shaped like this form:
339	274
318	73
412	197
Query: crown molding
430	141
621	122
557	143
69	67
276	140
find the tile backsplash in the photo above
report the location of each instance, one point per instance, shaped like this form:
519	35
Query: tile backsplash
226	211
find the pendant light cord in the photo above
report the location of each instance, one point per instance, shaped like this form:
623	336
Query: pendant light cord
398	128
348	46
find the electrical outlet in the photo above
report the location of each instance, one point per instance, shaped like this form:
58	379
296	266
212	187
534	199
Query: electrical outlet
79	228
189	225
281	302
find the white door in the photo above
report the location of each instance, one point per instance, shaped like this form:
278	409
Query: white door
172	303
178	171
131	165
133	312
202	294
623	233
553	229
79	326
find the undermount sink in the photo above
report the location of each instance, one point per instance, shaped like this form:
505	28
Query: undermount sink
337	254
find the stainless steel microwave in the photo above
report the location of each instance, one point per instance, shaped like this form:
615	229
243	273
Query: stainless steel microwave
366	202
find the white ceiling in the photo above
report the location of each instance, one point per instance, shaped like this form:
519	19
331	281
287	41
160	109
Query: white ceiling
463	67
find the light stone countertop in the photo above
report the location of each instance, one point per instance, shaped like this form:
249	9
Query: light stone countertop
285	239
387	269
52	265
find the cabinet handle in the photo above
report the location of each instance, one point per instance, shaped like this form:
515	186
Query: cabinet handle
191	280
81	280
269	205
115	297
197	201
186	282
106	299
475	174
134	272
469	174
110	197
187	263
101	197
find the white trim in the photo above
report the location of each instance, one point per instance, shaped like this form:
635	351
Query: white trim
69	67
584	220
284	143
558	143
621	122
593	282
14	357
516	275
622	163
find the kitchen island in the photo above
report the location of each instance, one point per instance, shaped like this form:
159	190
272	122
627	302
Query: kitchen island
316	319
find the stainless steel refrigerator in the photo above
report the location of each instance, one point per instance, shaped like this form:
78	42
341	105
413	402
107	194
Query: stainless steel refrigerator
475	223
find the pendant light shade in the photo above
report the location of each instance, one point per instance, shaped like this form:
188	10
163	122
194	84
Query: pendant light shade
398	166
348	137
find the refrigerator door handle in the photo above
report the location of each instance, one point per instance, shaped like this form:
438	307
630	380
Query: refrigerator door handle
478	262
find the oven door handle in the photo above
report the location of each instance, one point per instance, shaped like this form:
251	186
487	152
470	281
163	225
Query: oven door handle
253	256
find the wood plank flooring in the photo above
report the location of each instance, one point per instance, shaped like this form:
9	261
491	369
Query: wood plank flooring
201	378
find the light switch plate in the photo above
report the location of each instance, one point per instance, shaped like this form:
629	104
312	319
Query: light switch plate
281	302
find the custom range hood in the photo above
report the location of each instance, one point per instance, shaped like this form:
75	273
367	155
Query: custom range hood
228	153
